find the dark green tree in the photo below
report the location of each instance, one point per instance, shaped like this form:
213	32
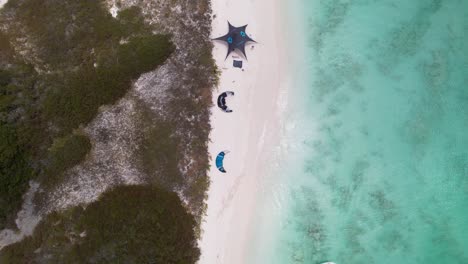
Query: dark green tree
128	224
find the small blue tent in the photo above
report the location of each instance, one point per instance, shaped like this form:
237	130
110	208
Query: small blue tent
219	161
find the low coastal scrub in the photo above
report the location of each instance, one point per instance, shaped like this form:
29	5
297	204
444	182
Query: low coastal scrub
129	224
14	173
76	58
159	155
15	166
65	153
69	59
78	96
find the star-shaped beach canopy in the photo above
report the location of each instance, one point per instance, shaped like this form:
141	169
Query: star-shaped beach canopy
236	38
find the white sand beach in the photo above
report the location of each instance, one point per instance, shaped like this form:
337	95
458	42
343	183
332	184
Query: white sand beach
2	3
251	132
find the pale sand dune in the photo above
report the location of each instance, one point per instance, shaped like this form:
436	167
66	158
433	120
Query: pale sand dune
250	133
2	3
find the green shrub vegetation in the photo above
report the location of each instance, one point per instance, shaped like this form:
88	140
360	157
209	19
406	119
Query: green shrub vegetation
60	60
129	224
15	167
64	154
159	154
14	172
77	100
66	31
83	58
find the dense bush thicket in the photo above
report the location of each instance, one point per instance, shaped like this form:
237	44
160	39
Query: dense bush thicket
64	154
78	57
15	168
14	172
69	58
78	98
129	224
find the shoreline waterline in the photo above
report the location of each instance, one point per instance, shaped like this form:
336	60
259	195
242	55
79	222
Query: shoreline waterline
369	162
377	162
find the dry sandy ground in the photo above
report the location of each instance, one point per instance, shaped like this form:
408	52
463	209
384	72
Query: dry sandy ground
251	132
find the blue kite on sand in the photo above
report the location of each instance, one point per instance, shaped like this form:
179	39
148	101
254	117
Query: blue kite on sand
219	161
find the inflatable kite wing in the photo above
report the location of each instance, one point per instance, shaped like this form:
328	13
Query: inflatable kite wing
219	161
222	101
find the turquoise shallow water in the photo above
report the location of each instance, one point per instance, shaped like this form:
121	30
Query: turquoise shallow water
377	164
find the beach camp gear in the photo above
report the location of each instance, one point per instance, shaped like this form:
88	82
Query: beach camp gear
237	64
222	101
236	38
219	161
